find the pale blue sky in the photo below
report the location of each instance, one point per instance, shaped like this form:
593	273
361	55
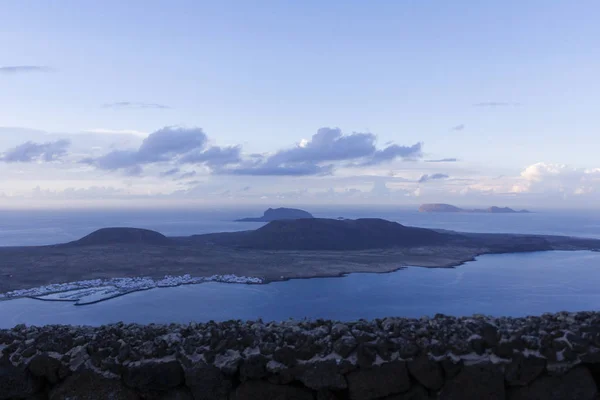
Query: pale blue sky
266	74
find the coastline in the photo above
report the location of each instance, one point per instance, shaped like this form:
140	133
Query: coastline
117	287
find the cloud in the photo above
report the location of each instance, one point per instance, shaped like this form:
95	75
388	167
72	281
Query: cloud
495	104
427	178
557	178
22	69
135	105
170	172
460	127
328	145
304	169
170	141
187	175
135	170
166	144
31	151
443	160
394	151
317	155
214	157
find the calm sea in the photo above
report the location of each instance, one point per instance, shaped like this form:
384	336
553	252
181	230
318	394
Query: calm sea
20	228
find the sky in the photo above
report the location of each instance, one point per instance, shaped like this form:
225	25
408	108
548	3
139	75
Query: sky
148	103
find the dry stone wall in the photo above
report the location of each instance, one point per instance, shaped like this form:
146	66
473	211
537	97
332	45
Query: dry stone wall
554	356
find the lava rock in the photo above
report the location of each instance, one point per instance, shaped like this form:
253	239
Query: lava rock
88	385
152	376
49	367
577	384
321	374
207	382
475	382
254	390
427	372
16	383
378	381
522	370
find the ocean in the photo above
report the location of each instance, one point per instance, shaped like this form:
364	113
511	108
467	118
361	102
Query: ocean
39	227
508	284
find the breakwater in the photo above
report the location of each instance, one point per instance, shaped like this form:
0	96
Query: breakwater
553	356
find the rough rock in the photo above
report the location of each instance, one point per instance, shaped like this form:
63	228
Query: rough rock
427	372
254	390
417	392
379	381
522	370
48	366
153	376
207	382
321	374
577	384
475	382
16	383
91	386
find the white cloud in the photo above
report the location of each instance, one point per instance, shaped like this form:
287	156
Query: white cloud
558	178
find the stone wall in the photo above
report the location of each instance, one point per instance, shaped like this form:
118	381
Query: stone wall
555	356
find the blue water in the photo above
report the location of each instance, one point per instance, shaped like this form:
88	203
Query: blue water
511	284
38	227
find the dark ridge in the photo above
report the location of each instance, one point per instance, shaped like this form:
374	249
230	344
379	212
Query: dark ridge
330	234
274	214
106	236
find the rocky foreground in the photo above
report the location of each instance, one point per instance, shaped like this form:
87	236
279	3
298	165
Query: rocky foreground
555	356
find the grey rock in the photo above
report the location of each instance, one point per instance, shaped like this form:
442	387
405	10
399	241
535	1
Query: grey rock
345	345
417	392
17	383
207	382
522	370
255	390
322	374
378	381
78	356
475	382
285	355
325	394
451	368
178	394
229	362
366	355
254	367
153	375
48	366
427	372
90	386
577	384
489	333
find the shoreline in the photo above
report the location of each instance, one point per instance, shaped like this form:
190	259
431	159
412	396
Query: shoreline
175	281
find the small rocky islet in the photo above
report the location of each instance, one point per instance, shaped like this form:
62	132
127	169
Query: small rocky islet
448	208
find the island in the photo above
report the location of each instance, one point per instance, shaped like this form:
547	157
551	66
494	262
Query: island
114	261
274	214
448	208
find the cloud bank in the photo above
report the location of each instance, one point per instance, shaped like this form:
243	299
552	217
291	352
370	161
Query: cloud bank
318	155
432	177
31	151
134	104
23	69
